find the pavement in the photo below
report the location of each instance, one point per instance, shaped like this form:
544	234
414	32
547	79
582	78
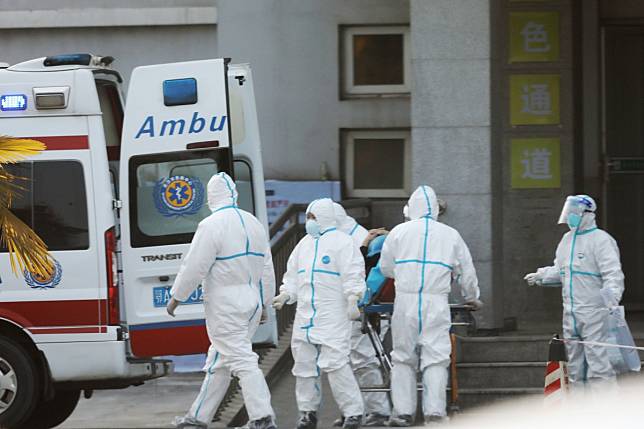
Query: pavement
157	402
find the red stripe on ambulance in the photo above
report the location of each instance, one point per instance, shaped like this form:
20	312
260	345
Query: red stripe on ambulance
63	142
74	314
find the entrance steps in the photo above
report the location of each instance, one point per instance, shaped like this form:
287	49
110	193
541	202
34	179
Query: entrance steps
492	369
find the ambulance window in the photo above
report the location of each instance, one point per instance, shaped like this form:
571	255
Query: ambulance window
53	202
112	111
168	194
244	182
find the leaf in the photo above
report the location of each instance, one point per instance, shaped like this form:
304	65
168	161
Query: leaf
26	249
14	149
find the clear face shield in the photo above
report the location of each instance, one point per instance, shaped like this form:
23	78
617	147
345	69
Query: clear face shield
573	211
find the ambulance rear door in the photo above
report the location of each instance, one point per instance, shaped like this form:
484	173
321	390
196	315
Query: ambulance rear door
176	135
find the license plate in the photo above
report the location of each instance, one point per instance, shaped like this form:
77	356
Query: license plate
161	296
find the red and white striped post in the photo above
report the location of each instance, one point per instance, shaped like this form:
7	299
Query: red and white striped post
556	380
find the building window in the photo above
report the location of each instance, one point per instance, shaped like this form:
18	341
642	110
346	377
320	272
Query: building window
376	60
377	163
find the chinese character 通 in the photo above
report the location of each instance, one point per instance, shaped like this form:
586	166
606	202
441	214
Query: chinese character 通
535	38
536	164
536	99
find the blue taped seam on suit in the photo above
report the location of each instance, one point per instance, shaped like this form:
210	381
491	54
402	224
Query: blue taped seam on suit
315	257
418	261
354	229
422	276
205	391
572	302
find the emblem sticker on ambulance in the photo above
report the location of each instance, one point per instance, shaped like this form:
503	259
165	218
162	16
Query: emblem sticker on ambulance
179	196
36	281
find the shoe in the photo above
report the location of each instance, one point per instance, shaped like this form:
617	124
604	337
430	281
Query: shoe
185	422
435	420
308	420
375	419
401	421
263	423
352	422
337	423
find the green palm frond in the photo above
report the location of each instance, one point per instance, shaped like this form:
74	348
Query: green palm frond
27	251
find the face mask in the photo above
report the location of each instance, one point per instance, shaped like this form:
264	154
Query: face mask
313	228
574	220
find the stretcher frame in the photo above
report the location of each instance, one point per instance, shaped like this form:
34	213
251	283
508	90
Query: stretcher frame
385	310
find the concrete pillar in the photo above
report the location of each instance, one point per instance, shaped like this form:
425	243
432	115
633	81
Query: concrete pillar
451	126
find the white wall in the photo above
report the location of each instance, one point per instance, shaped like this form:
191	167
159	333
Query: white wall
293	47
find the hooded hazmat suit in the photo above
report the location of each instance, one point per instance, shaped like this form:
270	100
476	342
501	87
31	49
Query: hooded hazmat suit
322	273
587	266
423	256
231	257
363	358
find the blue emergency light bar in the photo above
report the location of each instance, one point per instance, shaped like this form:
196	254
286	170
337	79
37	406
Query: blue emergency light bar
68	60
11	102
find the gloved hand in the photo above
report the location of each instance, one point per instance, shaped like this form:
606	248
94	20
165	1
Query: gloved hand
352	307
172	305
532	279
476	304
280	300
609	298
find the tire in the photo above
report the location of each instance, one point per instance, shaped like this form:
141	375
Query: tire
19	384
51	413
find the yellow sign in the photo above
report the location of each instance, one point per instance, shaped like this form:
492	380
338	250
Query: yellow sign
534	99
535	163
534	36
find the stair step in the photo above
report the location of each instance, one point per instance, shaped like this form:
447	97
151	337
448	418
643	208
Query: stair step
470	398
503	349
501	375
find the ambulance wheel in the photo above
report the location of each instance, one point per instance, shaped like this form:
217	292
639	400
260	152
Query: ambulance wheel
19	384
51	413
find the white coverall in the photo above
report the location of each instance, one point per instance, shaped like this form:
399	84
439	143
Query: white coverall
423	256
587	261
363	358
321	274
231	257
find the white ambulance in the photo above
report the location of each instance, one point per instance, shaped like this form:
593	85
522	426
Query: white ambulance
117	196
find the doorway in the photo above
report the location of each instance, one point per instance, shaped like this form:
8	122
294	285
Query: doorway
623	148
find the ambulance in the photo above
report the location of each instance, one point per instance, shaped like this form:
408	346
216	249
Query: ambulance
117	196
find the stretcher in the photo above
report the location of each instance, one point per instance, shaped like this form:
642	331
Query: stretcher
377	306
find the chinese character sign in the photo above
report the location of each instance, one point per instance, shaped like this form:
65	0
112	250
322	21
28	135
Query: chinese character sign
534	36
535	163
534	99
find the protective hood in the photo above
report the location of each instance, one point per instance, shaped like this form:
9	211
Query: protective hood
221	191
324	213
423	202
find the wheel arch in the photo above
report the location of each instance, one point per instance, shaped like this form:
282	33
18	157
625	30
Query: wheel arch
14	332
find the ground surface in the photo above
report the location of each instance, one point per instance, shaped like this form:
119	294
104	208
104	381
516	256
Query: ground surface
155	404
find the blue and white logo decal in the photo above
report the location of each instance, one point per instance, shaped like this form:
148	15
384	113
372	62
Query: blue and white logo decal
179	196
36	281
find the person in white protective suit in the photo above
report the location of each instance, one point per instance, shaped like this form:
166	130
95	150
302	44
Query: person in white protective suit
363	358
231	257
325	276
587	267
424	256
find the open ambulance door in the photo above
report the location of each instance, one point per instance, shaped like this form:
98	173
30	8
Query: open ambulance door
176	135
